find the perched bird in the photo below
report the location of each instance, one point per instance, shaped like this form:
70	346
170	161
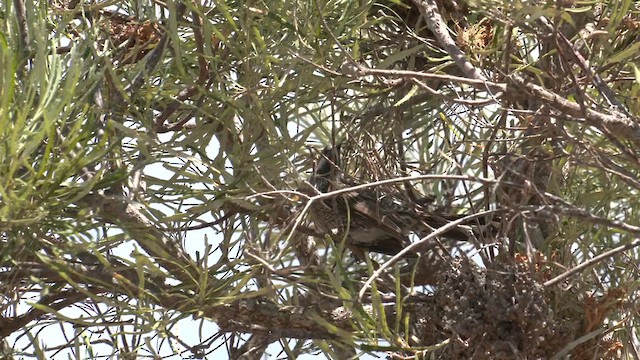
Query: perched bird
369	221
354	214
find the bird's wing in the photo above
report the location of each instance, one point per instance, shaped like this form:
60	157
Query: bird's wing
365	209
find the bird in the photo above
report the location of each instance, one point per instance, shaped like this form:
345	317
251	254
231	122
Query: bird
368	220
356	214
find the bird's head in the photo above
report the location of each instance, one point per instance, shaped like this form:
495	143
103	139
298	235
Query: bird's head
327	169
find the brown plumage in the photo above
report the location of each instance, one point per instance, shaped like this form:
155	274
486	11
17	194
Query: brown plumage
369	222
353	213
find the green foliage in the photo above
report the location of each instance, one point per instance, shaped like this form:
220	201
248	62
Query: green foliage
153	159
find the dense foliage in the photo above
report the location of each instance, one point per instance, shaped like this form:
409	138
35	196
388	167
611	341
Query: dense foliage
154	159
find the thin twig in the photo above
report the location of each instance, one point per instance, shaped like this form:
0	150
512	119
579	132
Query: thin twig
409	249
608	254
477	83
479	102
617	123
602	87
23	26
435	23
